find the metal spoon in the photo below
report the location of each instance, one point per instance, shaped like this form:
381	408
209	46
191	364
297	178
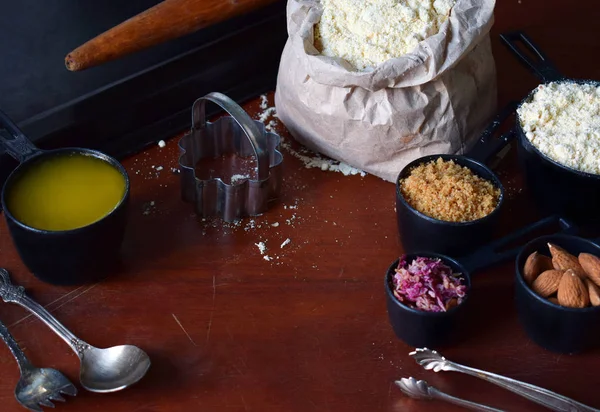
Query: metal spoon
432	360
421	390
102	370
36	386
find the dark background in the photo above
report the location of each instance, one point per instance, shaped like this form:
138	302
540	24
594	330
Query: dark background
122	106
37	35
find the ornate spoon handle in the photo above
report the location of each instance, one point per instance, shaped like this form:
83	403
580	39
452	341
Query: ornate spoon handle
422	390
430	359
16	294
534	393
461	402
16	351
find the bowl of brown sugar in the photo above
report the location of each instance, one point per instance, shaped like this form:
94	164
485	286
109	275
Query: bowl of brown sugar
447	204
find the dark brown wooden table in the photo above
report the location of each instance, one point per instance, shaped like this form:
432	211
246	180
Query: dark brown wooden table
228	330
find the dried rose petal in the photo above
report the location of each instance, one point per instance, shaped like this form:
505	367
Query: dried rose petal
428	284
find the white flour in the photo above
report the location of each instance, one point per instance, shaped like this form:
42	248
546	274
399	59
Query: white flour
261	247
268	112
563	122
310	159
238	178
368	33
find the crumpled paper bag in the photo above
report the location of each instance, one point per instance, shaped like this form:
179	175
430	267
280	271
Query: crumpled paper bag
434	100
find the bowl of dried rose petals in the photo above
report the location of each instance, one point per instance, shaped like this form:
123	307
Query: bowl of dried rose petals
426	295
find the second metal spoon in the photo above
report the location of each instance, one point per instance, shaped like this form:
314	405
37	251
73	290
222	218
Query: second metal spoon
37	386
102	370
422	390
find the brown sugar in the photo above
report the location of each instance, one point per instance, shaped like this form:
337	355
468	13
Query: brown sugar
447	191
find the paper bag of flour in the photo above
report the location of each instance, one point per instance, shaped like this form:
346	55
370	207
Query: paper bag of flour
436	99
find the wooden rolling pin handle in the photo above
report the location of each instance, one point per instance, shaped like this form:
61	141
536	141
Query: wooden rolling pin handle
168	20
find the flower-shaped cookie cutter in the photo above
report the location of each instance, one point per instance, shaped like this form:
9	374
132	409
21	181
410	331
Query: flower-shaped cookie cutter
236	135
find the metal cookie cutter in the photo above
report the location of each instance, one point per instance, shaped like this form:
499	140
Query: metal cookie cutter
236	135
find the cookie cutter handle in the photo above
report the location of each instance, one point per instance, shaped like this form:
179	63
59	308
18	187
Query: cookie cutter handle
257	139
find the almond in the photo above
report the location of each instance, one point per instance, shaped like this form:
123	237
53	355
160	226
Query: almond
594	292
554	300
572	292
547	282
591	266
535	264
563	260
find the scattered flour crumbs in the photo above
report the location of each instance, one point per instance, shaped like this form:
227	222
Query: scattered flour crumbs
287	217
271	229
262	248
238	178
307	157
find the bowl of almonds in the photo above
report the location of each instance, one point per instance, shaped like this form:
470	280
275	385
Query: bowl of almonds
558	292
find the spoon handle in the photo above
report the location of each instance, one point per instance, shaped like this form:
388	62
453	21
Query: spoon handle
17	352
435	393
549	399
433	360
16	294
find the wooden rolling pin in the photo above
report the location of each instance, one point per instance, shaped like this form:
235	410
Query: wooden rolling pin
165	21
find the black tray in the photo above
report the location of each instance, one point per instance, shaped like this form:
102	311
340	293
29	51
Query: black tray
240	58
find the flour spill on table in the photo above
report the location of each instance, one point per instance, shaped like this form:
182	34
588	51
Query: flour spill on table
269	229
269	234
265	114
261	247
309	158
148	171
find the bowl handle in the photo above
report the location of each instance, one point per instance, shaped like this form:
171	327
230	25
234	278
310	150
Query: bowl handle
18	146
531	56
488	144
492	253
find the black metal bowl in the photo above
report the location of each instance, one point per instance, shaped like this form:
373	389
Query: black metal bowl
421	232
427	329
556	328
65	257
556	188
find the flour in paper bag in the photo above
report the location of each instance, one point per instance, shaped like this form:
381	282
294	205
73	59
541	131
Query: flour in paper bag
436	99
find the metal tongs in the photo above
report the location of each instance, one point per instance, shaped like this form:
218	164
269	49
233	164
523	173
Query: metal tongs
432	360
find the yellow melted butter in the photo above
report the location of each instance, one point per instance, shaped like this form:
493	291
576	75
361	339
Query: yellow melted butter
65	192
